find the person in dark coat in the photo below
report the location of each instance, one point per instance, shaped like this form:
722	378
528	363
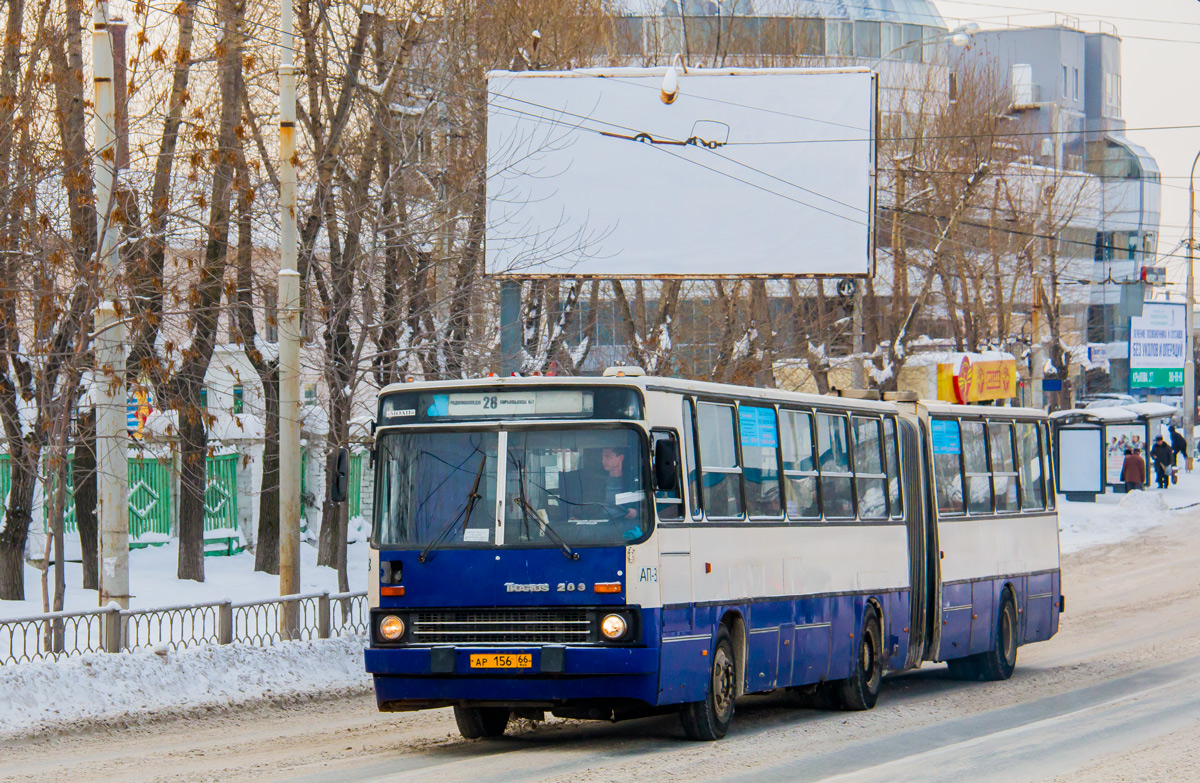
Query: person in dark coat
1163	457
1133	470
1178	445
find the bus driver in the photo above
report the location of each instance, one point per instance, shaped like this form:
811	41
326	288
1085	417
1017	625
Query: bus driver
618	487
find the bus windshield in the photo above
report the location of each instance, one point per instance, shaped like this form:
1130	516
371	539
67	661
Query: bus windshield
582	486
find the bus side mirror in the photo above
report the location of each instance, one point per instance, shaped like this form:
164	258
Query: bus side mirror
341	477
666	465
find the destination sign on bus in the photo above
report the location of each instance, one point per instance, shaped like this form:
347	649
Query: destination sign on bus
481	404
526	402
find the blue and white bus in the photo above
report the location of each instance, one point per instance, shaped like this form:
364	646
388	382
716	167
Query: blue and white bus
630	545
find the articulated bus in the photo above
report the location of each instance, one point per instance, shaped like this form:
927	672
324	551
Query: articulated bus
630	545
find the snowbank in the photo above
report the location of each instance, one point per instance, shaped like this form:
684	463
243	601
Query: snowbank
1114	518
129	687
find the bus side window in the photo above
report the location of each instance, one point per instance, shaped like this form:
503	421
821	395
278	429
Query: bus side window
891	449
760	455
1029	457
668	502
869	476
975	463
947	465
1004	467
799	467
833	448
720	472
691	459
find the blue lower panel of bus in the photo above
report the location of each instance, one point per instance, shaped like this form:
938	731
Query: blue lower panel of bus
969	612
575	661
400	689
789	641
587	673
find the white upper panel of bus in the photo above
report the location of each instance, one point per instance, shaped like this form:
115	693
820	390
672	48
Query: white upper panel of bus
683	386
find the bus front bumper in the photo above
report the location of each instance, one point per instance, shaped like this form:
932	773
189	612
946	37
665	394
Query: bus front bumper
418	677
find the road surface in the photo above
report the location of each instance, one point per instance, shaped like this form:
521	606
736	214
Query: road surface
1115	696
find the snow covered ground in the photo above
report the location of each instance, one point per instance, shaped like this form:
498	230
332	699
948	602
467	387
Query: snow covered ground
132	686
48	696
1115	518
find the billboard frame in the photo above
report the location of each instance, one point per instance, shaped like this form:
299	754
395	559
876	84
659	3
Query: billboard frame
872	185
1132	369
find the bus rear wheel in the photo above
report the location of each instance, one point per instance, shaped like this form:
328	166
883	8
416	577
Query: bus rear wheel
481	722
709	720
861	690
997	663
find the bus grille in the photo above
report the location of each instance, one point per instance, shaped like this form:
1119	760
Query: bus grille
501	626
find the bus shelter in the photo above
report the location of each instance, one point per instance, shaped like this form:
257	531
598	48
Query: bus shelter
1090	444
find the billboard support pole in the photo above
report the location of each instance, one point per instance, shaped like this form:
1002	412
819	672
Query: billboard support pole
510	327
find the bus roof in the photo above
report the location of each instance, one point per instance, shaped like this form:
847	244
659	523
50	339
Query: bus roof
685	386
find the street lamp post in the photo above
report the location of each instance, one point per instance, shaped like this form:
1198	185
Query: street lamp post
1189	367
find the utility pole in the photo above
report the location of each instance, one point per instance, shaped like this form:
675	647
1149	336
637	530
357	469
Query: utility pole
856	369
289	446
112	466
1189	367
289	334
1037	362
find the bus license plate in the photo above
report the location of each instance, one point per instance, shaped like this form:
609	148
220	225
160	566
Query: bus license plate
500	661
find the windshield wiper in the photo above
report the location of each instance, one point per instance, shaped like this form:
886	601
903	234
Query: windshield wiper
464	514
542	520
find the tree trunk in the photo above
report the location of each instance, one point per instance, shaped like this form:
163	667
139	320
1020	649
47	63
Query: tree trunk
149	258
205	299
266	557
85	500
17	517
193	452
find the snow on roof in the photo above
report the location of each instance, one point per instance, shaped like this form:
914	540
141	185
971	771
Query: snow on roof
1115	414
954	357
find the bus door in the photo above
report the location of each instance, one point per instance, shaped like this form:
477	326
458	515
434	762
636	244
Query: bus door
674	540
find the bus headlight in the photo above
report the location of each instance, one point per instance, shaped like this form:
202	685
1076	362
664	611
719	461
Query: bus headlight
613	626
391	627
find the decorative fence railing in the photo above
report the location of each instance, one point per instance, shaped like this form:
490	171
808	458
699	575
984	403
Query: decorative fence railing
111	629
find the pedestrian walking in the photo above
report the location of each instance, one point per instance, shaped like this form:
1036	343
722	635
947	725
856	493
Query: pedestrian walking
1133	470
1163	457
1179	446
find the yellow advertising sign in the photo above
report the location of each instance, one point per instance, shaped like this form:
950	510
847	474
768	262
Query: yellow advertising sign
968	381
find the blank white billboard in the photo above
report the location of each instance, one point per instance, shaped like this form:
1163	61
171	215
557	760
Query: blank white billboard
1079	460
746	172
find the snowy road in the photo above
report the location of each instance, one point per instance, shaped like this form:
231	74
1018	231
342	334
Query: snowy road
1115	696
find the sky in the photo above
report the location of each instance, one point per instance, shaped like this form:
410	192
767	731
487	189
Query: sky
1160	64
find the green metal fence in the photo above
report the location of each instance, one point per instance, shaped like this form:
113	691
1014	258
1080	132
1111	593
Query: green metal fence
149	498
220	492
221	506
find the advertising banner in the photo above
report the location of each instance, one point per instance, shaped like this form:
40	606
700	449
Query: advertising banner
976	378
1121	437
1157	346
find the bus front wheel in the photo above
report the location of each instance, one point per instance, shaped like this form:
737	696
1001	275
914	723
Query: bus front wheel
709	720
481	722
